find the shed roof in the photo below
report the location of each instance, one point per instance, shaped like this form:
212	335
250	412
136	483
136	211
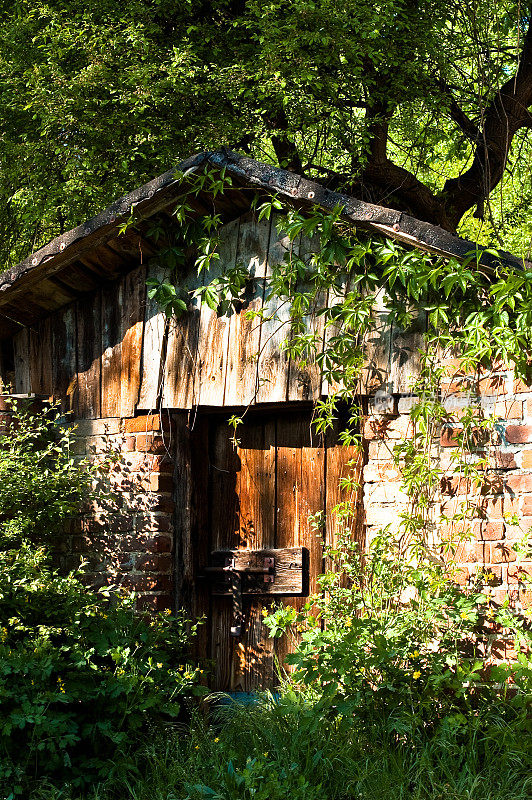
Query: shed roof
95	252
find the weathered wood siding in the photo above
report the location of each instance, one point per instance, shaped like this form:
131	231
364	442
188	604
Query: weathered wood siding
113	352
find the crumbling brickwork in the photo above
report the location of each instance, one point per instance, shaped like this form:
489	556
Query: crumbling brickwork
502	504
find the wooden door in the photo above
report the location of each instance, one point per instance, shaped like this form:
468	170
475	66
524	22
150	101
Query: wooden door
262	492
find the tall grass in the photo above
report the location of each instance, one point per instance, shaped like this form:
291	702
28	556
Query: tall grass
286	750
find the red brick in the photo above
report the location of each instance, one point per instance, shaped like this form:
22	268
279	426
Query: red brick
492	385
154	563
518	434
526	508
461	575
519	484
520	386
154	602
502	460
162	464
150	443
147	543
520	570
491	507
470	552
449	437
527	459
509	409
145	522
501	553
450	530
149	422
493	530
160	502
161	483
146	583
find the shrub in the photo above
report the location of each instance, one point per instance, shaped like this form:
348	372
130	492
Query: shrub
393	644
80	673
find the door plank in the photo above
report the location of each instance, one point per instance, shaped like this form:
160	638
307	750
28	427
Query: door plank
224	524
300	494
253	652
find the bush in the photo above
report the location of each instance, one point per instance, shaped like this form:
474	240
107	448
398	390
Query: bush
80	673
395	646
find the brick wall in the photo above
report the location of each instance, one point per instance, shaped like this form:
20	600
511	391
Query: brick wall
504	497
127	532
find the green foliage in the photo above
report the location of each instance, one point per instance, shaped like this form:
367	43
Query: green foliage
81	675
285	748
97	98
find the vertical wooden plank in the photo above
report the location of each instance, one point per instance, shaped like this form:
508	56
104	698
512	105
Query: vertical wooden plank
335	296
193	590
253	652
7	365
153	349
405	355
41	358
304	379
181	381
132	325
111	349
244	333
64	357
21	346
272	364
378	343
89	349
213	339
299	478
224	524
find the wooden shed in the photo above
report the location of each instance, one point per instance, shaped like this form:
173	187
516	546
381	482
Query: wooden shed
202	523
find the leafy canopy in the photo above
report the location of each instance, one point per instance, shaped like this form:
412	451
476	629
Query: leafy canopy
387	99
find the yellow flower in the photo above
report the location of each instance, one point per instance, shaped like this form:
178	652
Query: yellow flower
348	622
217	739
416	675
463	615
416	653
264	612
197	747
265	755
159	666
167	611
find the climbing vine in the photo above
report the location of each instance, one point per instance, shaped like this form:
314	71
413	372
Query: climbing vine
344	289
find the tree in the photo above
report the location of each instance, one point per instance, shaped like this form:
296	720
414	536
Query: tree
418	105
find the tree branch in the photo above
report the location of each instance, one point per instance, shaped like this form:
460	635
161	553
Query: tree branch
505	115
